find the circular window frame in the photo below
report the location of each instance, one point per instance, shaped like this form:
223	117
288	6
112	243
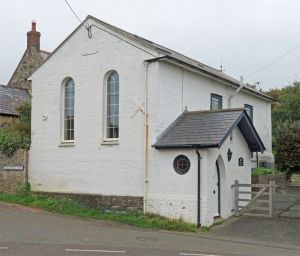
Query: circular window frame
176	167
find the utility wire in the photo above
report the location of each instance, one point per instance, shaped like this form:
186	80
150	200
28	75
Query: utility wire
73	11
273	61
89	28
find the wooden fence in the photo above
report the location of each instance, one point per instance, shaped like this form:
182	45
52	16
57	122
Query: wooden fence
260	198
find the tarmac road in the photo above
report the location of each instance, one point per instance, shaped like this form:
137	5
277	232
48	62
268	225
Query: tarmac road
31	232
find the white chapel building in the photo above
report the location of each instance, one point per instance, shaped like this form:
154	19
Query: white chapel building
120	117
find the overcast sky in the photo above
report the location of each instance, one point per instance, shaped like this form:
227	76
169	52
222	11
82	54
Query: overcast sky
245	34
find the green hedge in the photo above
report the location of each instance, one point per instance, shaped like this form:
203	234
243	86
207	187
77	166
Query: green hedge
287	147
263	171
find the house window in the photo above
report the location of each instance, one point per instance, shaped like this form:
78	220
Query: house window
68	110
249	110
215	102
181	164
112	107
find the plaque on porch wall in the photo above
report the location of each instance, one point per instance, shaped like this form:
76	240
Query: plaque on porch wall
241	161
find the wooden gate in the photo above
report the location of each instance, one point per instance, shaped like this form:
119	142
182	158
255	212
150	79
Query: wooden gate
254	199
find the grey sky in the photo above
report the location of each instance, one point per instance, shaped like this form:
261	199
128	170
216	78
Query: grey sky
246	34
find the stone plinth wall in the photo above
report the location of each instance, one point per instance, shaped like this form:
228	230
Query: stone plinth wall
4	120
280	179
11	180
128	203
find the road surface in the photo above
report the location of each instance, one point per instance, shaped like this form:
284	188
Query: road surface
31	232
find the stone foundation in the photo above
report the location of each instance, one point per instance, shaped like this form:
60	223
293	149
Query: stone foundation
11	179
280	179
127	203
5	119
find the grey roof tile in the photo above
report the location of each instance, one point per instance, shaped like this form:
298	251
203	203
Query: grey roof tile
10	99
208	129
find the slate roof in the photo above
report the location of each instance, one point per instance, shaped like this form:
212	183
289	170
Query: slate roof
209	129
166	53
10	99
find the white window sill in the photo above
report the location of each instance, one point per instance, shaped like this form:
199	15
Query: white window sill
110	142
67	144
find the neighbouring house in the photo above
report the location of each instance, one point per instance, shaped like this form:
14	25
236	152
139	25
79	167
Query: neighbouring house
18	88
10	99
121	118
32	58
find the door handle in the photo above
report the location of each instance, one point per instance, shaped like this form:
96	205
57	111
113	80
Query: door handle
214	191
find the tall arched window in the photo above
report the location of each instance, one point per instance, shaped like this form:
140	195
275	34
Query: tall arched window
112	107
68	110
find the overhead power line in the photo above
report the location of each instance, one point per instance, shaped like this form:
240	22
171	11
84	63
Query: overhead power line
273	61
73	11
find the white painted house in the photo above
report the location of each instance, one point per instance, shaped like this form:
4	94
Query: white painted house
114	114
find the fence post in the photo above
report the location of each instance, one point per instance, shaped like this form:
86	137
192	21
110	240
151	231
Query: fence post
236	196
271	196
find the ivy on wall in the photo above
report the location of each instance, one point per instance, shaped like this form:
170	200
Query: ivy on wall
16	133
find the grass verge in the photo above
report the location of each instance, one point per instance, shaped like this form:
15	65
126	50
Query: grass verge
69	207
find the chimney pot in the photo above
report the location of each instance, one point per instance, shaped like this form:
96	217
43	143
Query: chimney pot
33	25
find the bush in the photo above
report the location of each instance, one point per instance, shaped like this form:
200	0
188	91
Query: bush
16	133
10	141
24	190
288	145
263	171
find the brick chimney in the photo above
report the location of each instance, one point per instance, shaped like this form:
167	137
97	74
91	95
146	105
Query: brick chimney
33	37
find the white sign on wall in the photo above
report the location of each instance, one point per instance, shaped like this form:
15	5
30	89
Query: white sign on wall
14	168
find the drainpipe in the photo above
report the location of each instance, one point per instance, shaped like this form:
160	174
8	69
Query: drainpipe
146	149
198	189
236	92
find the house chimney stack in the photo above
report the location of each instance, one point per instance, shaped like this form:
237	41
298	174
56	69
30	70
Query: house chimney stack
33	37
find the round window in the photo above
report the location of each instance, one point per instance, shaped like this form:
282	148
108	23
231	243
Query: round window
181	164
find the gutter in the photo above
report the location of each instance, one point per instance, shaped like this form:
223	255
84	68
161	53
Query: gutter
174	146
205	72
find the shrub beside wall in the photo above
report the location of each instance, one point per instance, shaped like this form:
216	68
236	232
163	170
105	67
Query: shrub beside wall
288	146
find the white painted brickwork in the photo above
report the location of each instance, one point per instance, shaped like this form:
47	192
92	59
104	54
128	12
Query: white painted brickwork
89	166
93	168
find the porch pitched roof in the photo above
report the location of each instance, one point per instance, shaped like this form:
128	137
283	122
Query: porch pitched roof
209	129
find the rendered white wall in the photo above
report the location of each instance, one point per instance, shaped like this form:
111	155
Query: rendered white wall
169	193
179	88
89	166
175	196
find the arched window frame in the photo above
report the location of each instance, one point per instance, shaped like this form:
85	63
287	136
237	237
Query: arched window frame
109	134
67	133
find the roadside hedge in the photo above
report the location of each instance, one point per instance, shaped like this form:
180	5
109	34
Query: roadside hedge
287	147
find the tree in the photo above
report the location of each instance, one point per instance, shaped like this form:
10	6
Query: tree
288	145
287	107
